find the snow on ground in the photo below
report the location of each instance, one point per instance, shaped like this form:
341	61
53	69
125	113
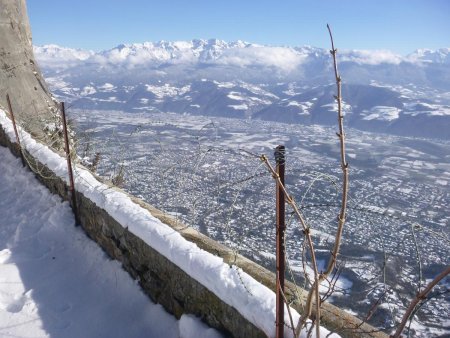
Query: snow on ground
107	87
333	107
166	90
382	113
238	106
55	282
88	90
340	286
236	96
235	287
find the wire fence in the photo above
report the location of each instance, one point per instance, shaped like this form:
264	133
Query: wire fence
210	176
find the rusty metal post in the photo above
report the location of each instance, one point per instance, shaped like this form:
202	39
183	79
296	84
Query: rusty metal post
281	250
15	128
69	164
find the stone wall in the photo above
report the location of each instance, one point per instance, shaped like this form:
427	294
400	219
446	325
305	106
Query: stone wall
165	282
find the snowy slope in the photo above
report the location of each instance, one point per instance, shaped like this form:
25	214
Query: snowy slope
55	282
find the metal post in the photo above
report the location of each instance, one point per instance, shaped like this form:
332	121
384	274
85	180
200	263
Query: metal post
69	164
281	250
15	128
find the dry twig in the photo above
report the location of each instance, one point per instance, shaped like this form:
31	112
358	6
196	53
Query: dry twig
420	297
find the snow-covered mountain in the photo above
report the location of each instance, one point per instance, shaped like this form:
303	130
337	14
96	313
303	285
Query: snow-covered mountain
384	91
236	53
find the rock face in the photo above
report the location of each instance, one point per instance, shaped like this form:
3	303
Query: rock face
20	76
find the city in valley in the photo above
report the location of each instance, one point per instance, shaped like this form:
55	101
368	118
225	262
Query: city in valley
208	173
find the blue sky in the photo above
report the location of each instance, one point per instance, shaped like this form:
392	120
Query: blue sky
398	25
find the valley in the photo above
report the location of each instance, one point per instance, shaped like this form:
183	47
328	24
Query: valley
183	124
206	172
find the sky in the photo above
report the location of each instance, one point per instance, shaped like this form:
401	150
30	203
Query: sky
401	26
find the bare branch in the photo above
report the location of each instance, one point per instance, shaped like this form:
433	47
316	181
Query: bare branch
419	297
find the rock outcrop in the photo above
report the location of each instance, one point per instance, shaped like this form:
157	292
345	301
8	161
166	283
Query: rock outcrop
20	76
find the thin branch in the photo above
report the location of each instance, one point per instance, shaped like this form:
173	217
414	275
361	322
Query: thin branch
420	297
344	164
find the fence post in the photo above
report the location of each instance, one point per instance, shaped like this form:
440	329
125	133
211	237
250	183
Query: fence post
281	250
69	165
15	128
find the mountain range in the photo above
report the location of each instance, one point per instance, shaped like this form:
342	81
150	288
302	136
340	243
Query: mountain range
384	92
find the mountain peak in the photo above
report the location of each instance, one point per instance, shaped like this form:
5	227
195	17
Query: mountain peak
425	55
278	61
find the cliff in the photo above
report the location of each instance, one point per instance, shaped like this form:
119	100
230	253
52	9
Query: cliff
20	76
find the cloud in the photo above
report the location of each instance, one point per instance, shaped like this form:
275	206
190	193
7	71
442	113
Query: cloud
283	58
371	57
60	57
181	52
217	52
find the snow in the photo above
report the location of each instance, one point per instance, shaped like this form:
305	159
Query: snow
224	84
107	87
441	182
235	96
211	51
228	53
340	286
404	190
441	55
56	282
238	106
88	90
246	101
333	107
258	90
191	327
303	106
167	90
235	287
294	103
423	108
382	113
